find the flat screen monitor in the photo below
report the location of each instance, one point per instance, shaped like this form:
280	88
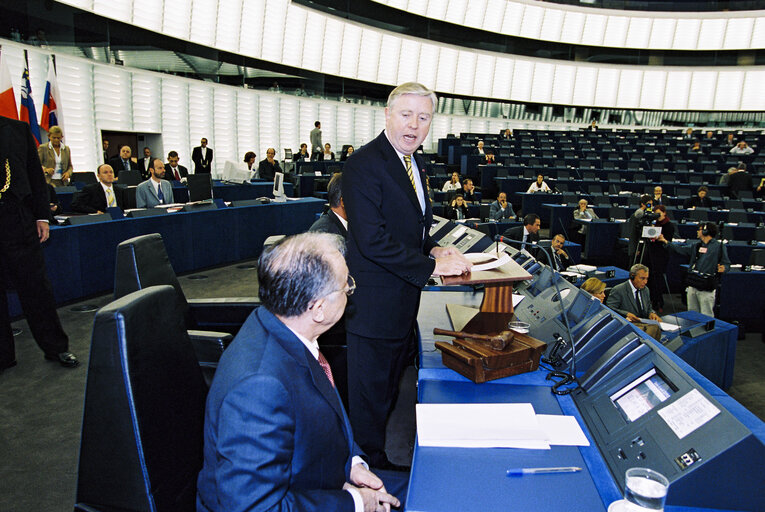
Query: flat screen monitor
233	172
200	187
278	191
129	178
642	395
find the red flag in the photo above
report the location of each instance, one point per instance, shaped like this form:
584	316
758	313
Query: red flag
51	111
7	98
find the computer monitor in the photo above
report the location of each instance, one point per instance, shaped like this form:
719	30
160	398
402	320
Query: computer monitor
129	178
200	187
279	196
234	173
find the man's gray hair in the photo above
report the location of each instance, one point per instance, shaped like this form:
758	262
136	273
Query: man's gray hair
637	267
412	88
295	272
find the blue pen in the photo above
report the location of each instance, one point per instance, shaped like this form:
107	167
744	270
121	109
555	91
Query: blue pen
540	471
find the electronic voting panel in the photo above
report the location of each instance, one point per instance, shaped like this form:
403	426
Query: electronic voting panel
644	411
465	239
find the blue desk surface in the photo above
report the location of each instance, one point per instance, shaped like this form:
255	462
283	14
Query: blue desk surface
445	479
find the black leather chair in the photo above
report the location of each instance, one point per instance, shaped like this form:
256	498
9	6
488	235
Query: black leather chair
142	427
142	262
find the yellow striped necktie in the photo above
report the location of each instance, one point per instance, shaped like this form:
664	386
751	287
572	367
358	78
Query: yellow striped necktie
408	162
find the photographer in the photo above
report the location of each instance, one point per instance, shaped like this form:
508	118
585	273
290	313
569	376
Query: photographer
658	257
643	216
708	259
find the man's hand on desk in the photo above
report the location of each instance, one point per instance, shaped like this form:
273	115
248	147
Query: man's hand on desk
449	262
371	489
654	316
632	317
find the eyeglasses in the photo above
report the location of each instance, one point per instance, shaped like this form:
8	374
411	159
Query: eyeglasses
350	288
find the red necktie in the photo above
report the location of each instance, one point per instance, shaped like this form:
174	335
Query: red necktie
177	174
327	370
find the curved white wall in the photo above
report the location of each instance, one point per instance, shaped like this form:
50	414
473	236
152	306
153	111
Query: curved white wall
737	30
278	31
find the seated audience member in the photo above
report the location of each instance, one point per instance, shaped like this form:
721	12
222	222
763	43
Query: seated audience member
507	134
276	435
689	134
458	209
501	209
658	195
335	220
725	178
56	158
348	152
468	191
584	212
97	197
706	256
730	141
593	126
155	190
327	154
173	170
760	190
559	257
124	161
528	234
302	155
489	159
595	287
700	200
479	149
695	149
632	300
453	184
538	186
739	181
742	148
658	258
268	167
249	159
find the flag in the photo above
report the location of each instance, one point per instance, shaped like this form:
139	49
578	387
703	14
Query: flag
51	110
27	112
7	98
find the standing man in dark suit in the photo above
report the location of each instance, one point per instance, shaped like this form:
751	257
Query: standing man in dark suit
316	147
202	157
525	235
105	155
276	436
632	300
173	170
123	161
23	227
392	256
145	163
335	220
97	197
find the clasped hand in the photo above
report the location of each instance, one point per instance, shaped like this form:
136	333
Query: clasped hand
449	262
372	490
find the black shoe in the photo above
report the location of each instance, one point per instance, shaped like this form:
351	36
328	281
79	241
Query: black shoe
65	359
5	366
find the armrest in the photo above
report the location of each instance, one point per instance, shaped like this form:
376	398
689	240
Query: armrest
225	314
209	345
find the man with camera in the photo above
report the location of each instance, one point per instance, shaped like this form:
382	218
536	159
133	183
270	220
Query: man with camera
643	216
708	259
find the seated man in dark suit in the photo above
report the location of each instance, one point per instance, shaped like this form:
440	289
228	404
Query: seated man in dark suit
97	197
632	300
525	235
124	161
739	181
173	170
560	259
276	435
700	200
268	167
335	220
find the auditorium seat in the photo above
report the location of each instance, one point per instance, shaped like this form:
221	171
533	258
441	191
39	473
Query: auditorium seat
142	427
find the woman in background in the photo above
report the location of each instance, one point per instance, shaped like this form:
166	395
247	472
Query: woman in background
56	159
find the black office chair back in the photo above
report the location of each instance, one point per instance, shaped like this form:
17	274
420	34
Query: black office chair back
142	427
738	217
142	262
757	257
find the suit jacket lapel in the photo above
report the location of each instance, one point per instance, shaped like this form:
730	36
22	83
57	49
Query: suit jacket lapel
397	172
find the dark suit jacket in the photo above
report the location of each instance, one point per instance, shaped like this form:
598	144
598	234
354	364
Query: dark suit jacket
92	199
116	163
169	176
388	241
516	233
738	181
622	300
276	435
321	156
202	165
143	166
267	171
329	223
27	179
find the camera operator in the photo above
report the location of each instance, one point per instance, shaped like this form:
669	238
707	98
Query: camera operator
708	259
658	257
643	216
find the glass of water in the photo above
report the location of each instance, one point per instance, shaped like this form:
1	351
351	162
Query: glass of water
645	489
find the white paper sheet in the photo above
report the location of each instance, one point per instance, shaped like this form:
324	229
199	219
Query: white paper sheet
562	430
478	425
483	261
688	413
517	298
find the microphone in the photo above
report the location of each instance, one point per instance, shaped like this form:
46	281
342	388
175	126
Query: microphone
560	343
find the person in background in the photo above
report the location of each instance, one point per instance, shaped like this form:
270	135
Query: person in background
173	170
97	197
560	259
595	287
249	159
56	158
700	200
348	152
468	191
202	156
315	137
124	161
538	186
479	148
302	155
105	150
453	184
632	300
327	155
335	220
458	209
658	258
268	167
658	195
501	209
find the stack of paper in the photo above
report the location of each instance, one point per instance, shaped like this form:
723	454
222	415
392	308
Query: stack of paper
495	426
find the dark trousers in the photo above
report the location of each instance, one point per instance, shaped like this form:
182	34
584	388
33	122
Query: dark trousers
22	267
375	367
